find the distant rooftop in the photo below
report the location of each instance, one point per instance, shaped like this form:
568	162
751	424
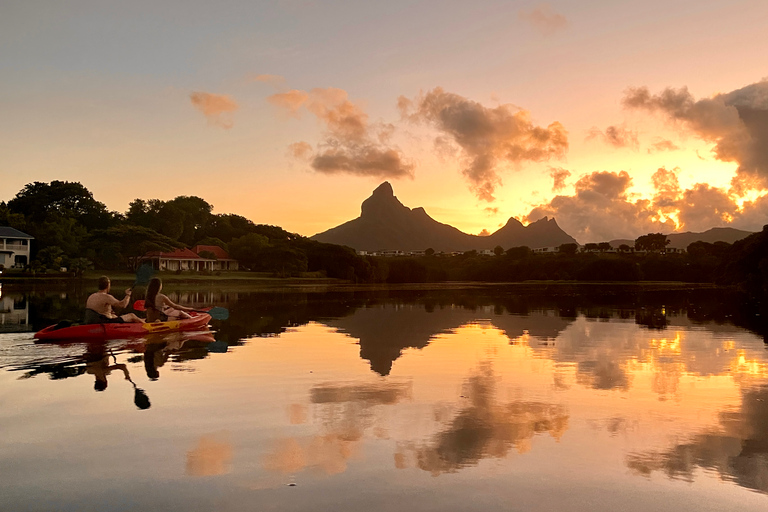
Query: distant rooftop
7	232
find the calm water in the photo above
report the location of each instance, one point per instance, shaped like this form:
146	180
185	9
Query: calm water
474	399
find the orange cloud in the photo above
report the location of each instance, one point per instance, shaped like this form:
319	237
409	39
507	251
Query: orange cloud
736	122
663	145
215	107
273	80
488	137
559	175
290	100
300	150
603	209
352	145
544	18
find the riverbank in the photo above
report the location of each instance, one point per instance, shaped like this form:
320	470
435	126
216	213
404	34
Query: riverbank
266	281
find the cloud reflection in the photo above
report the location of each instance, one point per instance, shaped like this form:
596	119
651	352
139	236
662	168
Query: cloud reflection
483	428
737	450
345	411
211	456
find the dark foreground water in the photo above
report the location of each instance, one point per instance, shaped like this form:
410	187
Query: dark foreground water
557	398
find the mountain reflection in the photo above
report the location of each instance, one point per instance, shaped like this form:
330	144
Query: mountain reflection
483	428
384	331
737	450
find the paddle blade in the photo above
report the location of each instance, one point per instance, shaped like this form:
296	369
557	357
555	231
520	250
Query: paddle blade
218	313
143	275
139	306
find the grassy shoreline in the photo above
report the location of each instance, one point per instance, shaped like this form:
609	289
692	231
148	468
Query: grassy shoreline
256	281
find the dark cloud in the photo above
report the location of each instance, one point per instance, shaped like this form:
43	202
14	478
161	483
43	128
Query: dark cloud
216	107
352	145
616	136
559	175
544	18
488	137
736	122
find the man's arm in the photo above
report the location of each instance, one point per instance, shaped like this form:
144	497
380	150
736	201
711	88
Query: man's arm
123	303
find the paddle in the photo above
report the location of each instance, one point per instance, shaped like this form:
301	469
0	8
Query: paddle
216	313
143	275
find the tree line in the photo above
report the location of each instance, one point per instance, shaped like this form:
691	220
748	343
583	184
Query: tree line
743	263
74	230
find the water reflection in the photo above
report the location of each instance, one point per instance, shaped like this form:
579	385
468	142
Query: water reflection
344	412
424	383
483	428
211	456
736	449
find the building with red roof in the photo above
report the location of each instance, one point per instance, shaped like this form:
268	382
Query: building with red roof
223	261
190	259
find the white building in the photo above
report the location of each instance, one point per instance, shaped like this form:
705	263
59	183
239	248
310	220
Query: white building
14	248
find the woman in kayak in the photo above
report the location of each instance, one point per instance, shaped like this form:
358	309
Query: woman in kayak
159	307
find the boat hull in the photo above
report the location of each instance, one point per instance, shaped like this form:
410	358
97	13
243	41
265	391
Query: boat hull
90	332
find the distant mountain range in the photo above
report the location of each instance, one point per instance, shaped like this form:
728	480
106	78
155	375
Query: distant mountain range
683	240
386	224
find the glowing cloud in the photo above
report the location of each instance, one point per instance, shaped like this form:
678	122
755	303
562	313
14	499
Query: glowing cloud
352	145
603	209
736	122
488	137
544	18
559	175
663	145
216	107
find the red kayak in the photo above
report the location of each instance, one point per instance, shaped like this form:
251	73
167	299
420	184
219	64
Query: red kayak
90	332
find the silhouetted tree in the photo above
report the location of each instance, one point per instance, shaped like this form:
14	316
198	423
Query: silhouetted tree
498	250
125	246
651	242
604	246
429	252
517	253
247	248
569	249
591	247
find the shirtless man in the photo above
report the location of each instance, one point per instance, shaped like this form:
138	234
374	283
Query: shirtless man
99	306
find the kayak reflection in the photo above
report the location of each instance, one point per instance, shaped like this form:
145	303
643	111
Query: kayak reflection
158	349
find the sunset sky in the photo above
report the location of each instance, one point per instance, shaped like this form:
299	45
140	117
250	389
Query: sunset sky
616	118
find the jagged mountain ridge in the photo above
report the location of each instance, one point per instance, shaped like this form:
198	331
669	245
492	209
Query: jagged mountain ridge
387	224
683	240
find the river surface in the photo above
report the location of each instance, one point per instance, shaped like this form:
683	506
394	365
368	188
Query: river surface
479	398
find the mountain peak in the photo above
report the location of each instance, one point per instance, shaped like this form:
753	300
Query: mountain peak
382	202
387	224
385	189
